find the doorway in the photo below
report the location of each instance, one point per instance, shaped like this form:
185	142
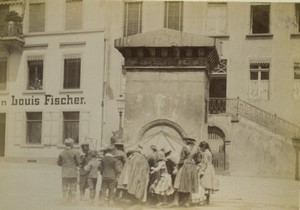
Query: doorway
217	88
2	134
216	141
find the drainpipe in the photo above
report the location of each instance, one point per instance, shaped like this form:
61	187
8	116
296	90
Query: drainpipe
104	76
103	94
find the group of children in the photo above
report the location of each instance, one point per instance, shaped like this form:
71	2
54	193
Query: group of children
154	178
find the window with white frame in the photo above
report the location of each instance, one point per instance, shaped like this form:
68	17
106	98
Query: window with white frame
72	72
34	127
132	18
73	15
297	14
37	16
296	88
173	15
71	126
3	73
35	73
260	19
259	80
216	19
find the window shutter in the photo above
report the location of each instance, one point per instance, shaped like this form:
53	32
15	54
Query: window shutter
72	71
173	15
56	136
3	12
216	19
253	89
211	19
84	120
3	73
133	18
298	17
264	89
37	17
166	15
46	128
74	14
221	19
296	89
19	128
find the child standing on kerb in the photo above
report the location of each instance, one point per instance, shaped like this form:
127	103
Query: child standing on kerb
93	167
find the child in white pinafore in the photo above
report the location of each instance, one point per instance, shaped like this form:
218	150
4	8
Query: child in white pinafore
162	187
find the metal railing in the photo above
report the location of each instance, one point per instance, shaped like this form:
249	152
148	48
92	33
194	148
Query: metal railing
239	107
11	29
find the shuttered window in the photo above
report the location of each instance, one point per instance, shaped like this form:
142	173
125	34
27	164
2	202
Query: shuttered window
132	18
73	15
71	126
216	19
34	128
173	15
72	66
3	12
259	80
37	17
3	73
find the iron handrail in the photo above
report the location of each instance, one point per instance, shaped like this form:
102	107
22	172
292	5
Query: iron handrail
236	106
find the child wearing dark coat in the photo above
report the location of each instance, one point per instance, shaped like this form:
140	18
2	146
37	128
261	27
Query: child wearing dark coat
92	168
110	169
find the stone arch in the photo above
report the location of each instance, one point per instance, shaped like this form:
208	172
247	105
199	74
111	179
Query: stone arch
159	122
221	127
216	130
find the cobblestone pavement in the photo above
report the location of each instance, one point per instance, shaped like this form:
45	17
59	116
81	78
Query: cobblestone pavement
34	186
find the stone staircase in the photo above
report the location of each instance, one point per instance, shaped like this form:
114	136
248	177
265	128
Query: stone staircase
237	107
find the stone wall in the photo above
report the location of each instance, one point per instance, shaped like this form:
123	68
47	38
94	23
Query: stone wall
254	150
175	96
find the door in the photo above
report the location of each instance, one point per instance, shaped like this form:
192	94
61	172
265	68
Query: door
217	88
217	94
216	142
2	134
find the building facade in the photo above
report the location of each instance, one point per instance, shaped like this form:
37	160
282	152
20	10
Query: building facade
80	70
53	78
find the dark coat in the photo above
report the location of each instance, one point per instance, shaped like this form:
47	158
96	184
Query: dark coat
110	167
84	159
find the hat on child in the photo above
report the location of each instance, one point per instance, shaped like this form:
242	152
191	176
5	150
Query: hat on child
189	140
118	142
153	147
109	148
69	141
94	153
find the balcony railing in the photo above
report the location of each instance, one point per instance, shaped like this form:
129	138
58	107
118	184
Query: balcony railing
11	29
238	107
